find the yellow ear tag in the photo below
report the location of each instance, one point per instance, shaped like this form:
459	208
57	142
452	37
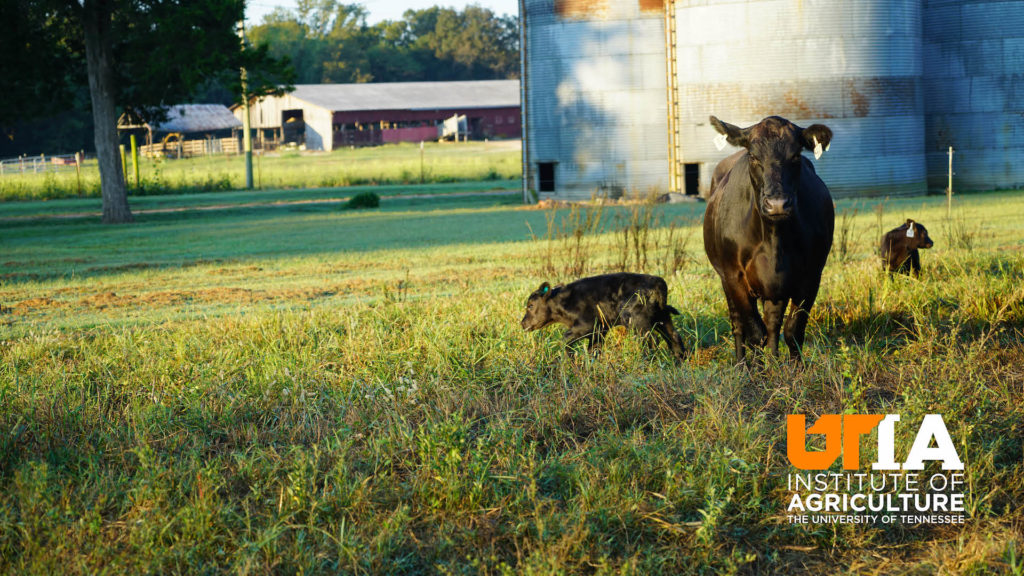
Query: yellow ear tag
817	148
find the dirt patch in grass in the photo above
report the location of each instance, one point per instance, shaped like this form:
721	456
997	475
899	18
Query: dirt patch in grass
219	295
33	304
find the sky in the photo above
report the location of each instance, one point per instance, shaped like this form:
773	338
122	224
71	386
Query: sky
382	9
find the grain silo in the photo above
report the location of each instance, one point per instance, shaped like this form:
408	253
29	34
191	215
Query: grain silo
617	94
974	86
594	100
854	66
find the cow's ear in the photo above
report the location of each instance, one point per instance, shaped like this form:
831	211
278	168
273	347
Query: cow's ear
544	289
909	221
816	135
733	134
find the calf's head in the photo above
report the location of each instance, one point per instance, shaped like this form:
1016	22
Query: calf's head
774	147
538	308
917	235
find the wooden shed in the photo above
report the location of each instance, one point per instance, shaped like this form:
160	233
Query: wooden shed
187	130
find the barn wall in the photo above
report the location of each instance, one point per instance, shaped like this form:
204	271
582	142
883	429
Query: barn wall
596	95
854	66
974	81
498	122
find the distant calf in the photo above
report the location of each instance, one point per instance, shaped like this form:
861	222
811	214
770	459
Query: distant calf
590	306
900	245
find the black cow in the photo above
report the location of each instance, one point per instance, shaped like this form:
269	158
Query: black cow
768	230
590	306
900	245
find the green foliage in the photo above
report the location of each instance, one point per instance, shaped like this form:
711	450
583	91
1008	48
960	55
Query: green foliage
217	399
363	200
328	41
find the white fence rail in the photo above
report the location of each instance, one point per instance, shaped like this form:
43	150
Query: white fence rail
41	164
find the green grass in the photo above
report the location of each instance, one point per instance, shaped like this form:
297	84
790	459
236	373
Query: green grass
392	164
304	388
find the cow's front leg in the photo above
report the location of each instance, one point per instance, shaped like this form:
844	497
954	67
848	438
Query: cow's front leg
796	324
590	331
774	314
747	328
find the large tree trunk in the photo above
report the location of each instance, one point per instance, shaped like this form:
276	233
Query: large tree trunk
96	21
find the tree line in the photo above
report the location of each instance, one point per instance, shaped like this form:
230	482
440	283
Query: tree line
327	41
71	67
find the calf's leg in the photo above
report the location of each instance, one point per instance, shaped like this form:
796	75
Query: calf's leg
594	333
672	338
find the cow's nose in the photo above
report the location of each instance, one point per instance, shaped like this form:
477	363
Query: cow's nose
777	206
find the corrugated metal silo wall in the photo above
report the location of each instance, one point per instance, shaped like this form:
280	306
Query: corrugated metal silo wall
854	66
974	82
596	95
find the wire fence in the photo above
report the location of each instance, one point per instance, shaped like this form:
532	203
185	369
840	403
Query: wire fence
41	164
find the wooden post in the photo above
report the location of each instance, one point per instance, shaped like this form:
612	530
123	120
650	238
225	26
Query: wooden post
246	122
421	161
135	160
124	163
949	187
78	170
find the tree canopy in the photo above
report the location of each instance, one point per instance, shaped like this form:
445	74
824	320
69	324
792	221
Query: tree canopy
328	41
139	55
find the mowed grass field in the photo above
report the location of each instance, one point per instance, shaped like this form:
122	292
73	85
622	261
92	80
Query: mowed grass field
303	389
438	162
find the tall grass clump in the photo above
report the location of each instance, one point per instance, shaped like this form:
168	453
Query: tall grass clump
363	200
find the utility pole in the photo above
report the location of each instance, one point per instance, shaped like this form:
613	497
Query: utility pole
949	188
246	135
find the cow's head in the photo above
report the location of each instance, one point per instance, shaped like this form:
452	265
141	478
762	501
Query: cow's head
774	146
917	235
538	308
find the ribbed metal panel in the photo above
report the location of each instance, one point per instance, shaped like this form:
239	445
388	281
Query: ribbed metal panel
595	95
854	66
974	78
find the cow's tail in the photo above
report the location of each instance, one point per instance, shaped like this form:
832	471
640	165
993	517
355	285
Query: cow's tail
672	310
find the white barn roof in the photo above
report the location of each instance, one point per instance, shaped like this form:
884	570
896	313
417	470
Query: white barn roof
187	118
411	95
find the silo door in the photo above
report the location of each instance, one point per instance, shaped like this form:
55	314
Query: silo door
691	179
546	176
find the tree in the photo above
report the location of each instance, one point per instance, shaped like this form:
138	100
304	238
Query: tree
333	43
141	55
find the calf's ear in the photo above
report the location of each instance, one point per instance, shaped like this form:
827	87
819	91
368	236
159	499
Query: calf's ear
544	289
816	135
909	221
733	134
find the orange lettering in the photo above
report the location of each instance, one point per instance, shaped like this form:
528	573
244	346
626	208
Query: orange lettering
796	441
